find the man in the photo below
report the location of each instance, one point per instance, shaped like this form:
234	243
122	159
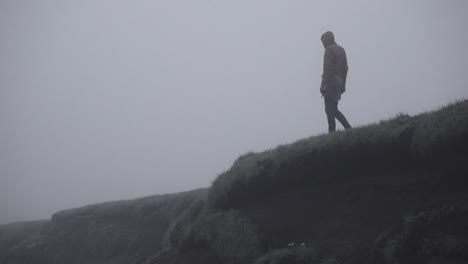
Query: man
335	71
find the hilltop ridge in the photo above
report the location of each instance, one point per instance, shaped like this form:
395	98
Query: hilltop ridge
391	192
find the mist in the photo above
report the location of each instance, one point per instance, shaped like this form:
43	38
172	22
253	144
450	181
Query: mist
111	100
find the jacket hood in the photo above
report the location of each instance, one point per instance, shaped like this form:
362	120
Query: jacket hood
328	38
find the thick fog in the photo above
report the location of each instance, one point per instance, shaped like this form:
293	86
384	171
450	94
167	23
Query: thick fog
110	100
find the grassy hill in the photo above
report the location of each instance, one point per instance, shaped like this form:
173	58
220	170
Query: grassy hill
392	192
113	232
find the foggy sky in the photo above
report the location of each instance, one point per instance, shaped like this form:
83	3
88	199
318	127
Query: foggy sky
108	100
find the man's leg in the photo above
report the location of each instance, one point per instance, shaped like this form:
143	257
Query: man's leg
331	107
342	119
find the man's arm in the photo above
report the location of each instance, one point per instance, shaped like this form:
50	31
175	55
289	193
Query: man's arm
327	70
345	70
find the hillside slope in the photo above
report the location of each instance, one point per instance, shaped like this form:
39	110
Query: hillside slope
349	196
114	232
392	192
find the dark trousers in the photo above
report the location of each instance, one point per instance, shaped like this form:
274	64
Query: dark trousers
331	109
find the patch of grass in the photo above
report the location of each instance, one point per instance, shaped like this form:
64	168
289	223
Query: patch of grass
14	233
441	233
442	132
395	142
232	237
182	226
124	210
112	232
297	255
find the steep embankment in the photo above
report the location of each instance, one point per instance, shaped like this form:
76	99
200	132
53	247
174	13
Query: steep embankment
349	196
393	192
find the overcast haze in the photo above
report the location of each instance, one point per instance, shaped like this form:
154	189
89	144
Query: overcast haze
109	100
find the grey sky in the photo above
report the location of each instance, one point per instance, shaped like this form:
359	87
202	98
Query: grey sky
107	100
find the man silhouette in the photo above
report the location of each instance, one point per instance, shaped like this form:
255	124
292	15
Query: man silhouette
335	71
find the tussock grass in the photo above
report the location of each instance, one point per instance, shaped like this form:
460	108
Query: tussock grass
442	132
439	233
181	228
299	255
396	142
141	208
232	237
296	255
11	234
112	232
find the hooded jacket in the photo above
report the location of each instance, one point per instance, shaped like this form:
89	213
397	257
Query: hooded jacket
335	68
